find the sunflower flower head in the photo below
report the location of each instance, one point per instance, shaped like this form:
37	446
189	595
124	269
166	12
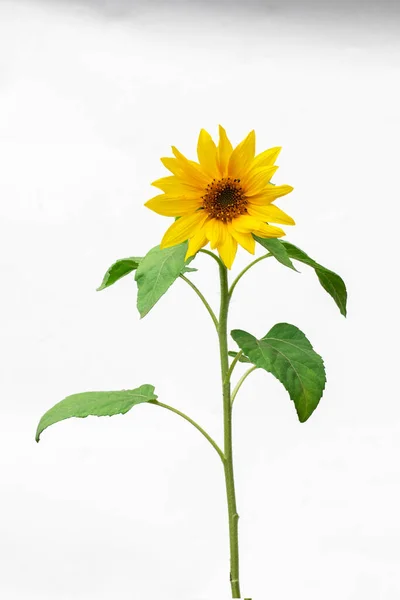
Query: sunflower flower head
222	199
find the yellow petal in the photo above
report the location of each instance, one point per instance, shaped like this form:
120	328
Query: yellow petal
215	231
173	186
163	182
270	193
185	176
224	152
270	213
172	206
266	158
242	156
172	165
183	229
246	240
190	168
269	231
207	154
249	224
227	250
257	179
195	243
245	224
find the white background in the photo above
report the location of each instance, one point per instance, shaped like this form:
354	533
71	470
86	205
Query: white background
134	506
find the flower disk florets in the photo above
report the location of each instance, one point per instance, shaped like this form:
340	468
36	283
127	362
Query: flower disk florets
224	199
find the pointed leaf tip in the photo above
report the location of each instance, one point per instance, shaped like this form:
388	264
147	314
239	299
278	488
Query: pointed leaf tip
330	281
119	269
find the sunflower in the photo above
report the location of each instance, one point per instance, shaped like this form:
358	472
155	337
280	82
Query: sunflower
223	199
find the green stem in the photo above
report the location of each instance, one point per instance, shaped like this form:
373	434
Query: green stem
181	414
214	256
227	409
239	277
204	301
239	383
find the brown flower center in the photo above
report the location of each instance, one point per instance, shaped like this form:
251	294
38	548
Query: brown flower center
224	199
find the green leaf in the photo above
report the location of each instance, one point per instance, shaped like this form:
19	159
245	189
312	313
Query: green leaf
156	272
242	359
288	355
119	269
277	250
330	281
99	404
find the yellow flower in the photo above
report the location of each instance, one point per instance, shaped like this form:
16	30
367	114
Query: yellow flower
223	198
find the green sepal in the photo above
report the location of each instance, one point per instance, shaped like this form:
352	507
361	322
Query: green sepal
99	404
286	353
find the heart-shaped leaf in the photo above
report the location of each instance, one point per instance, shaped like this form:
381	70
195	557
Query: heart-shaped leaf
288	355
